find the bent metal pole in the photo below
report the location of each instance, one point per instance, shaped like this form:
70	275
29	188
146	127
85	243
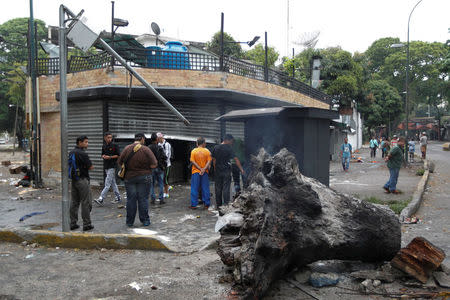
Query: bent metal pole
143	81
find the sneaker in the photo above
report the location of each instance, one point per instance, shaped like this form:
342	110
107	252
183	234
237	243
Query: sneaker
170	188
396	192
166	195
386	190
146	224
193	207
88	227
206	207
129	225
99	201
75	226
115	201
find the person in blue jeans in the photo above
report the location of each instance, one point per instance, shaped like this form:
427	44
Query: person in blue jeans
201	161
346	153
158	172
139	162
394	162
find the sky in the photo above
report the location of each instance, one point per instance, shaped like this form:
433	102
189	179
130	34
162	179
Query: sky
351	24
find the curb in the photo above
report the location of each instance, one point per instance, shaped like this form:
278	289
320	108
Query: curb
82	240
416	201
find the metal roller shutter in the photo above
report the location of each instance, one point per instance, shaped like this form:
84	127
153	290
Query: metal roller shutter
86	118
129	117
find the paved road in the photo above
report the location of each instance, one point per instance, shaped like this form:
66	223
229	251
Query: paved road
435	209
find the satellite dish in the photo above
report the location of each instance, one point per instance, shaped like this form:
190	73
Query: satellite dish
155	28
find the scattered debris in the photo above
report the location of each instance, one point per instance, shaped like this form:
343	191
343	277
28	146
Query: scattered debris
374	275
15	169
5	254
442	279
6	163
187	217
154	287
231	219
32	214
413	220
419	259
29	256
135	285
323	279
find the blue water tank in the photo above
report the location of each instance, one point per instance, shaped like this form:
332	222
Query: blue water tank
175	56
154	57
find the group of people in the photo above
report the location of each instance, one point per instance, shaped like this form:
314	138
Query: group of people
144	168
392	152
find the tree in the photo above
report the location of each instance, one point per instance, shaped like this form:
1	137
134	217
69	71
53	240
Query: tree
13	54
230	47
258	57
383	104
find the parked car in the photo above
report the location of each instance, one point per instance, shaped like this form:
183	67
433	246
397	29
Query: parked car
2	141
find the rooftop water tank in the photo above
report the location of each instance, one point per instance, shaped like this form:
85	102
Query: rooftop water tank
175	56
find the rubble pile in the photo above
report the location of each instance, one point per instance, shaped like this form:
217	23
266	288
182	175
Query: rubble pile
284	220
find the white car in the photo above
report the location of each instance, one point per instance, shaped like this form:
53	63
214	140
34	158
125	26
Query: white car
2	141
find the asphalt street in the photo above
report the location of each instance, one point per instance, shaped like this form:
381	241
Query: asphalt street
434	213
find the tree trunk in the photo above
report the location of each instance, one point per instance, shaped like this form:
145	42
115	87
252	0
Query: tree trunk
290	220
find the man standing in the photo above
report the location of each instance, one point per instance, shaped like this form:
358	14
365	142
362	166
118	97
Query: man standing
423	144
79	165
373	147
394	162
394	141
110	154
346	153
168	151
201	161
222	155
239	150
139	162
158	173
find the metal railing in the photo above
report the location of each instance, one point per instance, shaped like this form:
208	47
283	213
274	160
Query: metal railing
160	59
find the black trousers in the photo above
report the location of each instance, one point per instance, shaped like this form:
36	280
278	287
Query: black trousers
222	182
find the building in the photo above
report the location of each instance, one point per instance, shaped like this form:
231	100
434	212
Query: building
101	99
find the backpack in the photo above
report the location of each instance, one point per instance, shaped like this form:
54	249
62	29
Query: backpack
74	171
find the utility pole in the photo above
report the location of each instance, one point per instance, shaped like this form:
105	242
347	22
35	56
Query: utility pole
34	128
266	64
221	43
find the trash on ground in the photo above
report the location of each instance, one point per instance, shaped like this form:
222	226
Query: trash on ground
231	219
135	285
187	217
143	231
29	256
413	220
32	214
6	163
323	279
419	259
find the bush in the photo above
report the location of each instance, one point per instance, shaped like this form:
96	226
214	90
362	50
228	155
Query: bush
420	172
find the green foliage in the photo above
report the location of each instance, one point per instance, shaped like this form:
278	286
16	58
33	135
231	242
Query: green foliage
230	47
382	103
257	55
395	205
420	172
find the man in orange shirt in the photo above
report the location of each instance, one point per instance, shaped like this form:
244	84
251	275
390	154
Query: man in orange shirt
201	160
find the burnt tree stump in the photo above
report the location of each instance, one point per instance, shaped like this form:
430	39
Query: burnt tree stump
290	220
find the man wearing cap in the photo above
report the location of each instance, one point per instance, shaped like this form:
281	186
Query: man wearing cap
168	151
423	144
394	162
139	162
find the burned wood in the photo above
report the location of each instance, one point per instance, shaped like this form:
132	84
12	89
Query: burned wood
419	259
290	220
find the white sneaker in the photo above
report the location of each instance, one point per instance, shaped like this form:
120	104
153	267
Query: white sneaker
99	201
166	195
170	188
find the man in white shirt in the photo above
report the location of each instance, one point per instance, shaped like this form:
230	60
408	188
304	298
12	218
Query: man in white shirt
168	151
423	144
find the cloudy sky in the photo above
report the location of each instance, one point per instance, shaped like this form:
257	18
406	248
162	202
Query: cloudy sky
351	24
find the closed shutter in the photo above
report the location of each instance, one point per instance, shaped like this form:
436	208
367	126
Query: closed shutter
130	117
86	118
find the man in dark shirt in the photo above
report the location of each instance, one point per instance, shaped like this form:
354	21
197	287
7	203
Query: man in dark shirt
394	163
158	172
110	154
137	178
222	155
81	191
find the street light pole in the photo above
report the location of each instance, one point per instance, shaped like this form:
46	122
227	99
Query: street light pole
407	77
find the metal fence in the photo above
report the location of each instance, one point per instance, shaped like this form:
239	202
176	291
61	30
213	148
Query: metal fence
160	59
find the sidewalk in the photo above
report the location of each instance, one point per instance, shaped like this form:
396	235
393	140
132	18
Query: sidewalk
365	180
174	224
